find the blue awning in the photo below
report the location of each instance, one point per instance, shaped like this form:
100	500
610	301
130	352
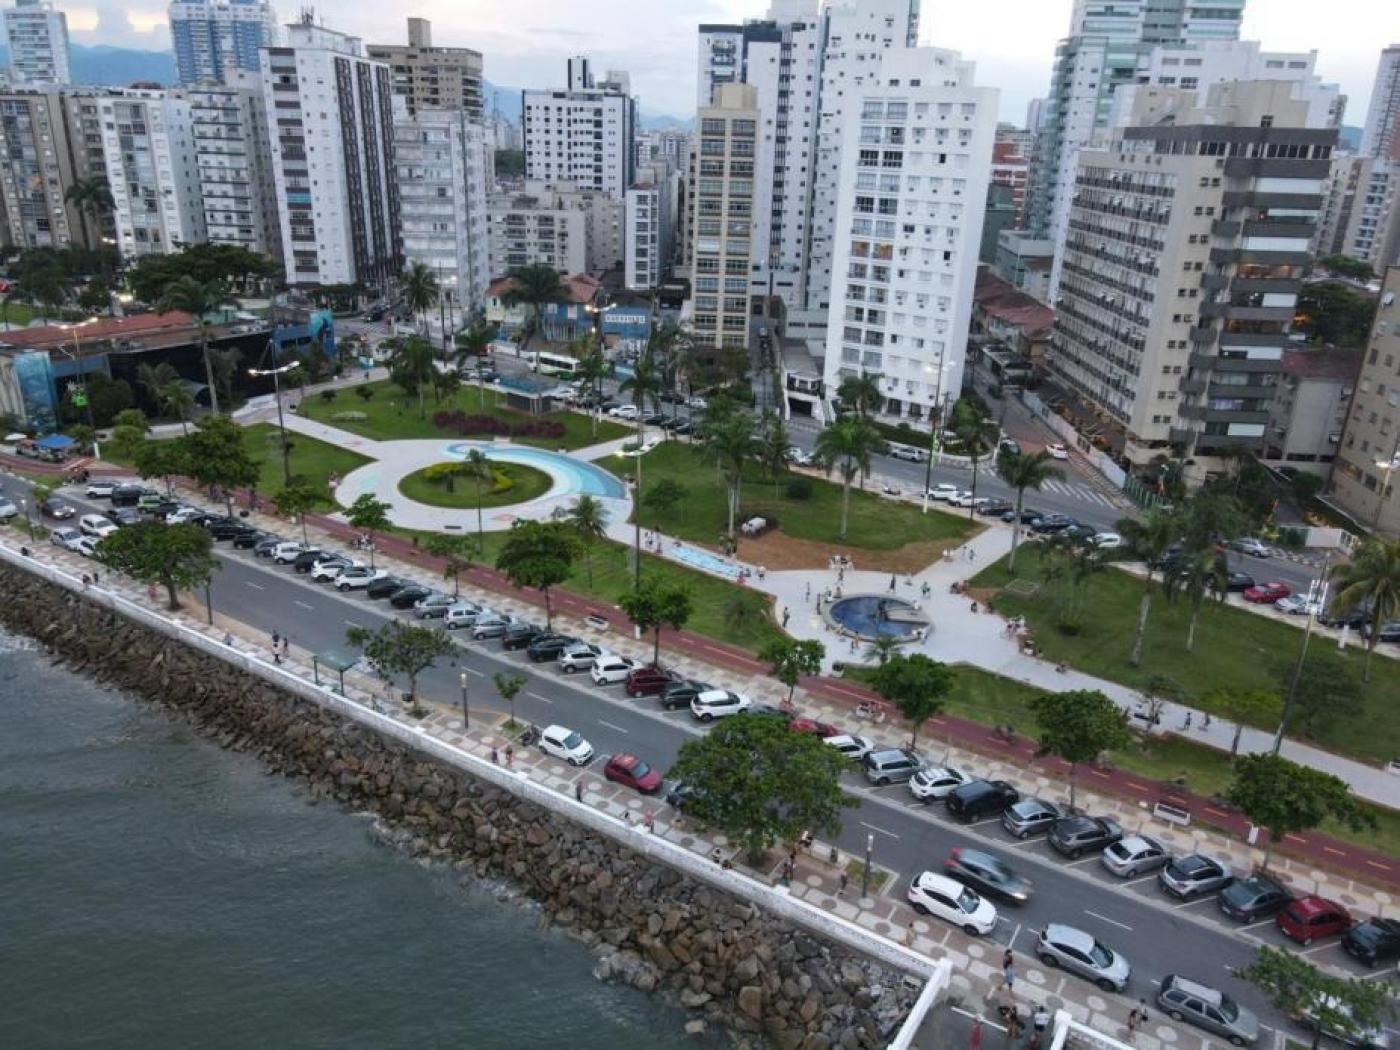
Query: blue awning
57	442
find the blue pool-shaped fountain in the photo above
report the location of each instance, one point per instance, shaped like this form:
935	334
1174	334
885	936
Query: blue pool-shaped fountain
870	616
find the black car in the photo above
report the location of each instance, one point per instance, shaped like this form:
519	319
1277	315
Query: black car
124	516
1389	632
1073	836
682	796
250	539
520	635
608	405
263	548
1028	516
374	313
1249	900
159	510
304	561
384	586
683	429
128	495
1373	942
1052	523
995	506
406	596
548	647
986	874
231	530
209	521
1239	581
769	711
680	694
655	419
978	799
1076	531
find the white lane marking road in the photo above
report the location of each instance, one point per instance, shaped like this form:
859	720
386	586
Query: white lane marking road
882	831
1111	922
303	605
538	697
611	726
255	586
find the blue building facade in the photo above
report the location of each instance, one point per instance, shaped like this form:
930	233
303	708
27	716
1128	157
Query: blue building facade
211	37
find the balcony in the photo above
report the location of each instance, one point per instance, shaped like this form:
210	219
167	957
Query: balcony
1225	256
1193	386
1276	167
1203	335
1254	338
1250	199
1253	391
1213	282
1279	229
1225	228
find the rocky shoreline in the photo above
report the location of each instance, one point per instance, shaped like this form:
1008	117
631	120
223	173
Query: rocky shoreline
650	926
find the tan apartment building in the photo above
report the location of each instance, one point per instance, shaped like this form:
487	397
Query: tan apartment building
1363	477
38	172
429	77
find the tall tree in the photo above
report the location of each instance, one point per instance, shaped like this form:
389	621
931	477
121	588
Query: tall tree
730	442
1149	538
1286	798
848	444
589	520
92	196
509	686
369	514
1197	573
162	459
401	648
411	368
420	291
198	299
593	368
971	427
225	364
480	471
790	659
657	604
916	684
644	384
760	783
1352	1008
129	429
218	456
296	500
861	394
1245	707
1078	726
169	556
153	378
1024	472
457	553
539	554
1371	579
774	446
535	286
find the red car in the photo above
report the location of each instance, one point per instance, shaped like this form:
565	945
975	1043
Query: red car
632	772
647	681
1308	918
811	725
1266	593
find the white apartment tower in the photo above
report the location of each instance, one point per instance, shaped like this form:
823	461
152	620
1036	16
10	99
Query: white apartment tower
539	224
148	143
213	39
916	160
1381	137
722	222
331	114
440	159
37	37
584	134
233	155
647	225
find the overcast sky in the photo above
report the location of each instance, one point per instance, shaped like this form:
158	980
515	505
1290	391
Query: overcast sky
1013	41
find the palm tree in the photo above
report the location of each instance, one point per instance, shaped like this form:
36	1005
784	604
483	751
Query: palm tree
420	289
535	286
176	398
1200	572
92	197
1023	472
848	442
593	368
970	427
882	648
198	299
644	382
729	442
476	463
774	443
1149	539
411	367
225	364
1373	576
861	393
589	521
154	378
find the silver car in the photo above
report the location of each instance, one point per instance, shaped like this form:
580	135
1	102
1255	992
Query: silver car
1030	816
433	606
1078	952
1135	855
1195	874
1207	1008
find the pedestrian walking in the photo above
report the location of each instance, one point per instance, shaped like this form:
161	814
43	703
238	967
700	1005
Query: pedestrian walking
510	756
649	821
578	790
495	757
971	553
1187	723
893	583
276	653
786	614
841	886
1205	721
1138	1018
1014	1024
1008	968
807	594
276	640
228	639
286	647
95	578
87	581
1040	1020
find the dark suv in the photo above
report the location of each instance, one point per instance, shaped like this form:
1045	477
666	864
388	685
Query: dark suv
385	586
981	798
648	681
548	647
1073	836
409	595
520	635
1374	941
678	695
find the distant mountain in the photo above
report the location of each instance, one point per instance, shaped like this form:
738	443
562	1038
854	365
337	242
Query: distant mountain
506	101
114	66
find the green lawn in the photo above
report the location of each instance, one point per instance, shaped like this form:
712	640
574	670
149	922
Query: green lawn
991	699
1234	649
515	483
392	415
875	524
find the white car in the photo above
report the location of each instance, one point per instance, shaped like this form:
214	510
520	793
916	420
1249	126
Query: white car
936	783
357	577
908	452
948	899
66	537
460	614
330	568
1057	451
1298	605
95	525
798	457
285	553
565	743
85	545
624	412
1255	548
609	669
182	515
8	509
849	744
718	703
943	491
100	489
1106	541
697	402
579	657
643	448
961	499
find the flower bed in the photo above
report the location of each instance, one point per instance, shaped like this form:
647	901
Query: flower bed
459	422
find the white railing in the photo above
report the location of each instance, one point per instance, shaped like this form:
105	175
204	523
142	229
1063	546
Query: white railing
935	988
1069	1034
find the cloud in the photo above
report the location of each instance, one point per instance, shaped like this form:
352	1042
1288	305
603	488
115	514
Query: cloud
120	25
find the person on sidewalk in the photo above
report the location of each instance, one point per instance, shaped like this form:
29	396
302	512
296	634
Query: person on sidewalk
786	615
286	648
1040	1020
893	583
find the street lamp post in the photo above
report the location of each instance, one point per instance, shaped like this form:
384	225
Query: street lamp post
208	603
276	374
28	520
637	522
76	355
934	429
466	714
1317	599
865	873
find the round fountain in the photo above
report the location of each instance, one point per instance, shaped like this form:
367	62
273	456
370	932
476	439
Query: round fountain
871	616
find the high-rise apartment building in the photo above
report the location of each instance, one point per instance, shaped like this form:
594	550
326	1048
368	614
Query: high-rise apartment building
1367	468
1381	137
538	225
37	173
722	223
82	107
1106	45
330	110
1011	168
1187	239
148	144
233	154
429	77
913	189
440	159
647	228
37	37
584	134
214	38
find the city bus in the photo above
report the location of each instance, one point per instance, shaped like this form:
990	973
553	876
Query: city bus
560	366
